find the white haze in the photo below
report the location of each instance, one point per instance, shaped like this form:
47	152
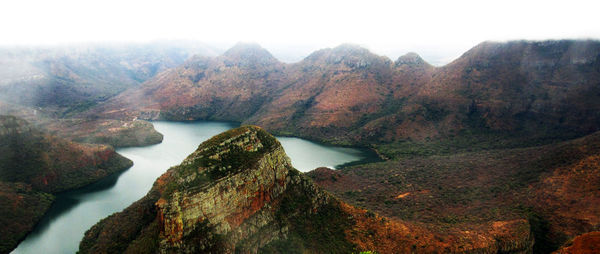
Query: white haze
438	30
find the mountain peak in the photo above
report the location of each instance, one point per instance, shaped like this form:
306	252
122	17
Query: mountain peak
250	53
232	151
351	55
411	59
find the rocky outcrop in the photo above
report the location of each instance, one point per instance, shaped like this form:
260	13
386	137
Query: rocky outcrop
238	193
225	196
588	243
231	203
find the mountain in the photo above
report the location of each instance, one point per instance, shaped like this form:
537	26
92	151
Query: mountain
328	93
50	86
524	91
34	166
228	87
239	193
494	152
533	87
69	79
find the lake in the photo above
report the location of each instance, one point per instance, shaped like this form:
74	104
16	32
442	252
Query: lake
74	212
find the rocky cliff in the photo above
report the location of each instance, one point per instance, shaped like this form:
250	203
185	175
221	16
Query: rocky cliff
238	193
34	165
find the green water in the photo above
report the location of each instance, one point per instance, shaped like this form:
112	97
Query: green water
74	212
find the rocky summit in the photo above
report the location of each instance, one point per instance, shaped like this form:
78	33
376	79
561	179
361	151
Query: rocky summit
239	193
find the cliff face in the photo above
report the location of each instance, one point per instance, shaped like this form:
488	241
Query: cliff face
227	195
588	243
231	203
34	165
239	193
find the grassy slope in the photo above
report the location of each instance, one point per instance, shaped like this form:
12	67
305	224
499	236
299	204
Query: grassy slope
458	189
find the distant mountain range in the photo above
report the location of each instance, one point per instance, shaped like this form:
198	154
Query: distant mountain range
74	78
506	135
348	95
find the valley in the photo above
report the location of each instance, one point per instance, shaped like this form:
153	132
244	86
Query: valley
56	233
494	152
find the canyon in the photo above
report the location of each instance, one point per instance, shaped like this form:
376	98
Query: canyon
493	152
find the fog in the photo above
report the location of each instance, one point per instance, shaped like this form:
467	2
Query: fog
438	30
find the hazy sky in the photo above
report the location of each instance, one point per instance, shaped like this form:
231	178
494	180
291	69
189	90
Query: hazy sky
438	30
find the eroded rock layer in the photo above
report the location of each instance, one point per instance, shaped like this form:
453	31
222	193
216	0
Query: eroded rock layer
239	193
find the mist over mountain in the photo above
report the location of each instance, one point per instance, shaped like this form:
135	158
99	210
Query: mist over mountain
349	95
78	76
495	151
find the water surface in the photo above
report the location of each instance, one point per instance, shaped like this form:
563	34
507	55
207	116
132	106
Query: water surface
74	212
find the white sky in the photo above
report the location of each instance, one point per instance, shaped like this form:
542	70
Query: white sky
438	30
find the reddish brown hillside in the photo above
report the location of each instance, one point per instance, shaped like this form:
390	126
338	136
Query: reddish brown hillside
34	164
554	187
523	89
229	87
329	93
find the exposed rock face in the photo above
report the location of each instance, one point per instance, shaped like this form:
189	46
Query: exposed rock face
34	165
239	193
227	195
238	211
588	243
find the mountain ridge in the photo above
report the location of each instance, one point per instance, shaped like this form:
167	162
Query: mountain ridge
347	95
